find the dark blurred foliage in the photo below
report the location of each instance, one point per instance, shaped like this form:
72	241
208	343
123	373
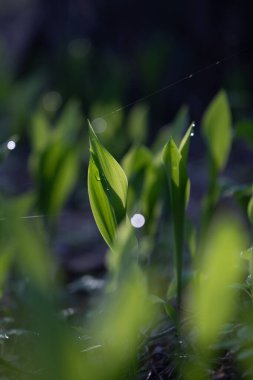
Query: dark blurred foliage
109	54
112	51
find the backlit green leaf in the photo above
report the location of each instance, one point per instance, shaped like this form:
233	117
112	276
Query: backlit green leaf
175	160
107	187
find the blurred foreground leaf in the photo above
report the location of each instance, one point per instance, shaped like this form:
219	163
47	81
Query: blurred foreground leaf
117	330
213	301
221	267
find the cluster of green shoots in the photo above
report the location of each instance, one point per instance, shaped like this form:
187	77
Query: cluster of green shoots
208	299
209	266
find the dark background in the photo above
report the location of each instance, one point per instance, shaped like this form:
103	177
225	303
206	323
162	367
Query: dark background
112	51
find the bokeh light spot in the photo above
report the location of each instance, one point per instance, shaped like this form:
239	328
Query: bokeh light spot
137	220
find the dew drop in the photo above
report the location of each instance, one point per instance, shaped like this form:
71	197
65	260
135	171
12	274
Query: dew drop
193	126
137	220
98	177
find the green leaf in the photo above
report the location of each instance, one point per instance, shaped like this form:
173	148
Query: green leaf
100	204
70	121
54	160
220	268
107	188
151	200
40	132
185	144
126	312
217	131
25	243
175	159
56	175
